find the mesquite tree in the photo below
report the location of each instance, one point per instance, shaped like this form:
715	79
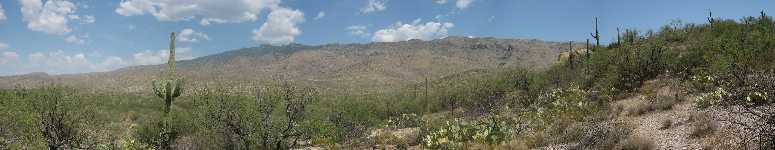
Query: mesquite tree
170	86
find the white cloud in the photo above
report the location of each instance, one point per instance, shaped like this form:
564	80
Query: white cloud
358	30
8	57
87	19
280	27
208	11
462	4
189	35
415	30
62	62
373	6
76	39
114	62
3	46
58	62
440	1
149	57
320	15
50	17
37	57
2	13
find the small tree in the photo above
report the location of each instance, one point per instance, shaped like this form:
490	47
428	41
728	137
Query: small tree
57	117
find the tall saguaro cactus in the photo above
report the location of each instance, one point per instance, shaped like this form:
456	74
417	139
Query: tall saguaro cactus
596	36
710	18
170	86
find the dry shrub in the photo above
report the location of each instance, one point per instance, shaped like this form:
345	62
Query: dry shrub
666	124
664	102
653	103
640	108
536	139
702	124
616	110
604	135
514	145
638	143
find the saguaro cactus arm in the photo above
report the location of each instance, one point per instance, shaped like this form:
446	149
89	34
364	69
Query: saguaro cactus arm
178	87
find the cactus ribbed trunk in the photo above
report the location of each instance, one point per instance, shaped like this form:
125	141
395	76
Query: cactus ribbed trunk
169	87
171	61
596	36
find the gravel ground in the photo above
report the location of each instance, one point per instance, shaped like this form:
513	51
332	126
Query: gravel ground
648	125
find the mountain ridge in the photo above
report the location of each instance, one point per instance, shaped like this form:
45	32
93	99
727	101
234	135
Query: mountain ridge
355	65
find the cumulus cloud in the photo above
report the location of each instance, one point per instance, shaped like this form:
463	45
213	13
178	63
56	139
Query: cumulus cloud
114	62
149	57
208	11
358	30
76	39
415	30
86	19
58	62
462	4
50	17
440	1
2	13
373	6
63	62
280	27
189	35
8	57
320	15
3	46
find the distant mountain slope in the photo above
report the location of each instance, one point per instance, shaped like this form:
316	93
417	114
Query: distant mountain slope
333	66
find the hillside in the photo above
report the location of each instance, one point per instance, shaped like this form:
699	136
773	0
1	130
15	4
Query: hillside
335	66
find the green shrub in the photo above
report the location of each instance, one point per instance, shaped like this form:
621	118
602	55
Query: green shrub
403	121
457	132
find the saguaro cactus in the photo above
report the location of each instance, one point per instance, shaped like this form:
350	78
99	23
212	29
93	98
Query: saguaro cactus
618	37
710	18
596	36
763	15
571	54
170	86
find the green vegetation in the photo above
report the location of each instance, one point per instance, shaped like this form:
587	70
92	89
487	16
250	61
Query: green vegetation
728	62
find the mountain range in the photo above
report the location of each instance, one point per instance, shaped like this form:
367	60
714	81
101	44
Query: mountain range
334	67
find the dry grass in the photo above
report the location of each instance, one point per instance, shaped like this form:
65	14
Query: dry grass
664	102
638	143
615	110
666	124
653	103
640	108
702	125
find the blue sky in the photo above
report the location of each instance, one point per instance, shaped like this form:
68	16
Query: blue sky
76	36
